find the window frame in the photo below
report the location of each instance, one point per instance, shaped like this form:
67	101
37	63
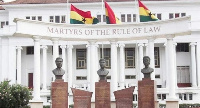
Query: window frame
81	62
157	57
127	57
107	52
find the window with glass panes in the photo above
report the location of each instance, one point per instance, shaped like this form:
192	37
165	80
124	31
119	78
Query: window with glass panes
122	17
157	57
63	19
106	56
176	15
182	47
57	19
129	57
39	18
81	58
29	50
51	19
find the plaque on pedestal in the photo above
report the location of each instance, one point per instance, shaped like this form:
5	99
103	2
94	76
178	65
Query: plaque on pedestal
82	99
146	93
102	94
124	98
59	94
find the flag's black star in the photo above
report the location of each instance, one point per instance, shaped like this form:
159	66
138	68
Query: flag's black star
83	19
150	14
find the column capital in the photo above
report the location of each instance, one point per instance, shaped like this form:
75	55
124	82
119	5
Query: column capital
37	38
92	42
55	40
114	43
140	44
170	36
70	46
87	46
146	44
44	47
151	38
175	44
165	44
62	46
96	45
121	45
19	48
193	44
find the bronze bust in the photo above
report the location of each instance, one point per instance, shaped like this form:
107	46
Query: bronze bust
102	72
147	70
58	72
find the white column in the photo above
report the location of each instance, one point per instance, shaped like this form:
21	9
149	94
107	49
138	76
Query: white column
44	48
171	73
55	50
96	62
19	48
36	74
151	55
165	76
122	65
146	49
193	65
175	66
198	63
92	69
88	66
113	84
63	47
69	66
140	45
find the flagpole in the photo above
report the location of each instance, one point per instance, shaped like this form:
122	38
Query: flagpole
102	11
68	21
137	11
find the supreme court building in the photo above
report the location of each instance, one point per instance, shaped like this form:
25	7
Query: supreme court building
34	32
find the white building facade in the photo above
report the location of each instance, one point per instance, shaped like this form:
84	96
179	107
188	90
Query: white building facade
27	54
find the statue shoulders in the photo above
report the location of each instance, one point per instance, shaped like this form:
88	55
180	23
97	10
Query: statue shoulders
147	70
102	72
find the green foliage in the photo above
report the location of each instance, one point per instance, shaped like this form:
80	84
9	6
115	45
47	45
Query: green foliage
189	105
47	106
14	96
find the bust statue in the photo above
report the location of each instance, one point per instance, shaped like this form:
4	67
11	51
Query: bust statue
147	70
58	72
102	72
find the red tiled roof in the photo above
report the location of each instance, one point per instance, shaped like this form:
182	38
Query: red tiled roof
65	1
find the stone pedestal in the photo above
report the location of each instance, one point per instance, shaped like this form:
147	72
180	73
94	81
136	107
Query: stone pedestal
124	98
102	94
172	103
59	94
82	99
36	104
146	93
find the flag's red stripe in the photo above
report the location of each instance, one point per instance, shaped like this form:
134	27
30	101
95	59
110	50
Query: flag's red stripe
111	14
86	14
142	5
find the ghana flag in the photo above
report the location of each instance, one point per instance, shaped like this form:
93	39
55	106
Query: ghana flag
110	16
78	16
145	13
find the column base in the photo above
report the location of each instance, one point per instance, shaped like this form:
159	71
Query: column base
36	104
172	103
156	104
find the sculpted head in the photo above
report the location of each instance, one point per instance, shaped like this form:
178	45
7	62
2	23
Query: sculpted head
146	61
59	62
102	63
